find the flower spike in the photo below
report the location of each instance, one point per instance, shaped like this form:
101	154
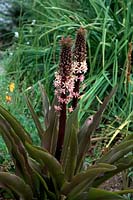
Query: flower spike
64	83
79	64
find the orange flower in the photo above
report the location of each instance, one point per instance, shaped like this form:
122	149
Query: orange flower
8	98
12	87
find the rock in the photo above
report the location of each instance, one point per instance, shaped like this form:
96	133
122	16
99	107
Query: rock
7	22
2	70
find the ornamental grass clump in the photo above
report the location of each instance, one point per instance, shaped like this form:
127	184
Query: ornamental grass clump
54	171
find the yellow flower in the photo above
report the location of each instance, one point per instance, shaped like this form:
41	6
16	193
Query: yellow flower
8	98
12	87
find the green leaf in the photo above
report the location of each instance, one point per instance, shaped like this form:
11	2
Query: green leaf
35	165
89	128
51	195
16	184
121	164
17	151
46	104
83	180
118	152
98	194
35	118
18	128
49	140
72	123
49	161
54	135
127	191
129	137
72	155
84	127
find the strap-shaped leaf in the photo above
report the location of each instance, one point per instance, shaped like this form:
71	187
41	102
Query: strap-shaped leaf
49	139
16	184
85	137
49	161
83	180
35	118
126	191
17	151
72	122
52	109
18	128
118	152
50	195
129	137
98	194
54	137
46	104
72	155
84	128
121	164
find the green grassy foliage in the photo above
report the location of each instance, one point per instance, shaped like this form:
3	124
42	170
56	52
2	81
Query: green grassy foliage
109	30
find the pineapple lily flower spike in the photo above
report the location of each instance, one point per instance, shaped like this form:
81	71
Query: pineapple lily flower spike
79	63
64	84
68	78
